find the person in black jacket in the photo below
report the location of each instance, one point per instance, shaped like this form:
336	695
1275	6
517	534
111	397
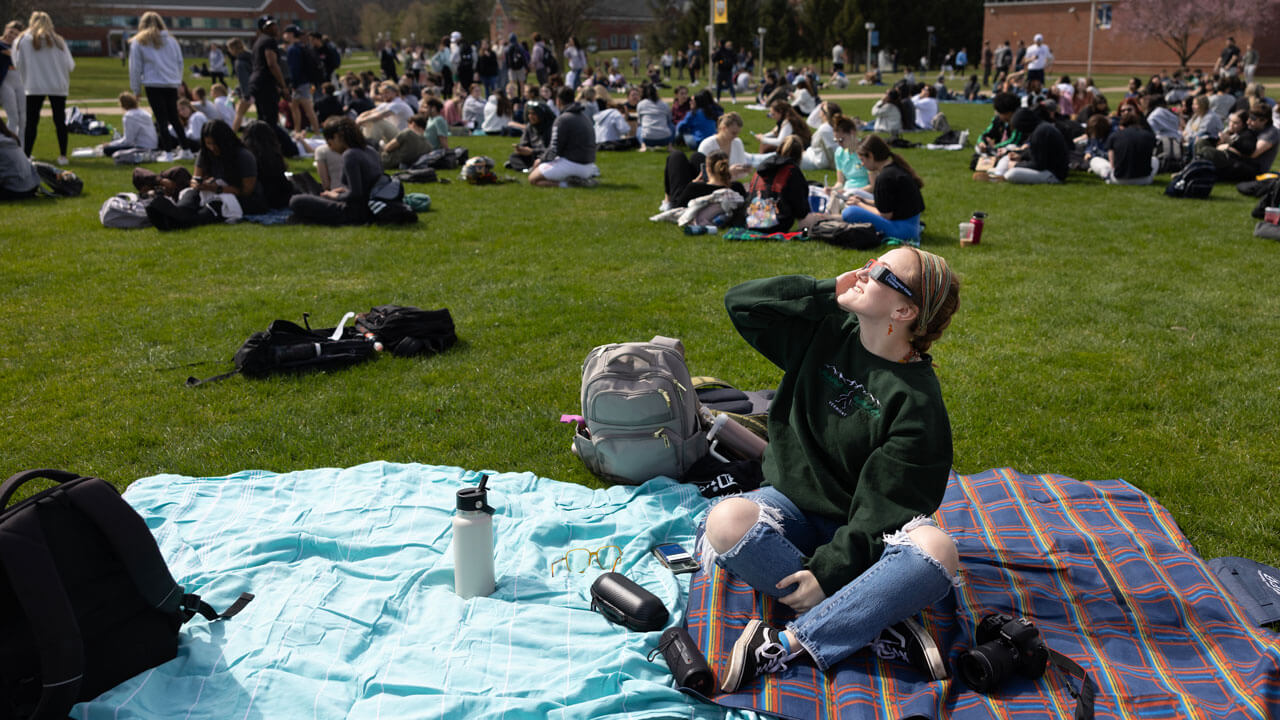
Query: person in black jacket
1044	159
533	140
779	190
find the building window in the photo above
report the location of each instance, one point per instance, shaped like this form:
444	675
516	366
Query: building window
1104	16
237	23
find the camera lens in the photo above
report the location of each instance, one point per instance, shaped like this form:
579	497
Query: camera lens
986	667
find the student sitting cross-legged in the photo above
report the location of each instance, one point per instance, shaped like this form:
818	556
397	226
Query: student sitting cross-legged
859	456
347	203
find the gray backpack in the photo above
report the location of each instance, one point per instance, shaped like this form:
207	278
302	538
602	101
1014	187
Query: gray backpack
641	412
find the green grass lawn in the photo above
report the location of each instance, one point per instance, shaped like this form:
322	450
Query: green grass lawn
1104	331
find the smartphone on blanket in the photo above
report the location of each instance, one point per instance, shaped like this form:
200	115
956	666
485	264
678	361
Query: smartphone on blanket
675	558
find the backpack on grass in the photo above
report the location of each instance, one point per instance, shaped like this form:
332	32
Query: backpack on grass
763	198
86	600
855	236
125	211
641	412
288	347
1193	181
404	330
386	203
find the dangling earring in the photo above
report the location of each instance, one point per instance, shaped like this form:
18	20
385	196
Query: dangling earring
890	328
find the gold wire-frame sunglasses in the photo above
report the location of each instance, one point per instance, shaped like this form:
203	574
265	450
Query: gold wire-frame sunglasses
579	559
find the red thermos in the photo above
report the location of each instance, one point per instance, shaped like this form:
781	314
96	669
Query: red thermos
978	219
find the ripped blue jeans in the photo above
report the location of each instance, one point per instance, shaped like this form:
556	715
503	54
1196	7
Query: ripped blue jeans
904	581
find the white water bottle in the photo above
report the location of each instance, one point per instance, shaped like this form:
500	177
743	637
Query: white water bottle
473	543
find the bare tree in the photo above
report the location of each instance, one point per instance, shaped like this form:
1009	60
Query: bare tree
557	20
1184	26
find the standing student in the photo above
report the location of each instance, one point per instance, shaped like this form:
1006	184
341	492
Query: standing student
155	65
242	63
859	455
45	64
305	72
217	65
266	79
13	97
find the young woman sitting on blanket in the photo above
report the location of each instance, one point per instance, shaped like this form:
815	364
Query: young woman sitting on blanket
348	202
859	456
225	165
897	202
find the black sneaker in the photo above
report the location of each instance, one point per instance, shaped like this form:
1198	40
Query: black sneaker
909	643
577	181
758	650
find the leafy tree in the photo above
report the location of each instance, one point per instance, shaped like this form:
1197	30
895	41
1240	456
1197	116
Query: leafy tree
1184	26
469	17
374	22
557	20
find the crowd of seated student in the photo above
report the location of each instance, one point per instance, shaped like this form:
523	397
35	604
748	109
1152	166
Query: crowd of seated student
1234	126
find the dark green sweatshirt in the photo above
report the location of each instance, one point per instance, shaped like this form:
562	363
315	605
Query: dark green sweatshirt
852	436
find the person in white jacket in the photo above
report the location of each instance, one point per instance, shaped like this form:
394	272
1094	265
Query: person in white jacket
155	63
45	64
139	128
820	155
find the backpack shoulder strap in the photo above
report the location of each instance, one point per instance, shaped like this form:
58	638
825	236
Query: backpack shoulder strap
780	179
132	541
136	547
25	559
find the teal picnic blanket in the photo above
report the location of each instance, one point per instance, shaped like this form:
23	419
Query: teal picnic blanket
355	615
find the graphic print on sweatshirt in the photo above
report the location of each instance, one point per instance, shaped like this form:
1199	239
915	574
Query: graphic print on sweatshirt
851	394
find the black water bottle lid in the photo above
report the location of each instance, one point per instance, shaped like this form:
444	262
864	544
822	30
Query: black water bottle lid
475	499
979	214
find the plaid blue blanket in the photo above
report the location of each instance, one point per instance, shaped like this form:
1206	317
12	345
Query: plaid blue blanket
1100	568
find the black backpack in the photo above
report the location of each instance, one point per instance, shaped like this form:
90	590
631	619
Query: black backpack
86	600
517	58
288	347
1269	197
855	236
404	330
1193	181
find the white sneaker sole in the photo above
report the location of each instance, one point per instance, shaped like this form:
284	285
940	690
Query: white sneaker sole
738	658
932	655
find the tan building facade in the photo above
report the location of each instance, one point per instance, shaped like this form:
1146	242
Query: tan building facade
1115	49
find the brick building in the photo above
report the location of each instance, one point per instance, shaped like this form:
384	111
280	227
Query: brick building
1065	26
613	24
107	24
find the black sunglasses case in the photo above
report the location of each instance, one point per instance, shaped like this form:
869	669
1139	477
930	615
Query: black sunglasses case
619	599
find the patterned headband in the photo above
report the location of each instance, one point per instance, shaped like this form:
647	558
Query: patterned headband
935	280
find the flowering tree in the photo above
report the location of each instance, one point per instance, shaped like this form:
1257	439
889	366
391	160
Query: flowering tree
1184	26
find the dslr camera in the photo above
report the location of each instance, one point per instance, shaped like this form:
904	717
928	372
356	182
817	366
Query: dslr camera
1005	646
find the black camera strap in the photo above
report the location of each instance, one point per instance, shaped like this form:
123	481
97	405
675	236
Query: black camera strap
1084	698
